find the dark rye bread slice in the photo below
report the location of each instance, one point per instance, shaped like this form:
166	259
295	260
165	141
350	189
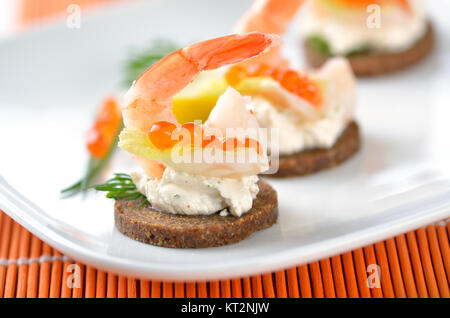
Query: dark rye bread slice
183	231
372	64
314	160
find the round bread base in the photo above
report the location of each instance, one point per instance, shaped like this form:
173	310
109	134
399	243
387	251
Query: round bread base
314	160
151	226
378	63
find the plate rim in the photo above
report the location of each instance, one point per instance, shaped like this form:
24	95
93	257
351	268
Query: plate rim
25	212
11	199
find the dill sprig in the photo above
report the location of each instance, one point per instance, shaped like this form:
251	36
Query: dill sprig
121	186
139	62
134	67
94	168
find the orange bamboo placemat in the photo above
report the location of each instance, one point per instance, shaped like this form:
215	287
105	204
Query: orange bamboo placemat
415	264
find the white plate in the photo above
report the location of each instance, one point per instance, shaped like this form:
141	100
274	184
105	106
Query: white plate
52	78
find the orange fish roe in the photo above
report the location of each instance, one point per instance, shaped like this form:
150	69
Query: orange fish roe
100	136
405	4
358	3
237	73
362	4
302	86
252	143
161	135
197	135
233	143
294	82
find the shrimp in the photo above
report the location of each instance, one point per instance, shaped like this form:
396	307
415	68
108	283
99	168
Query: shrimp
299	93
293	91
269	16
149	100
342	84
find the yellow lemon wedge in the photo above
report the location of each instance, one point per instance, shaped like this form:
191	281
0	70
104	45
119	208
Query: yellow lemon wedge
196	100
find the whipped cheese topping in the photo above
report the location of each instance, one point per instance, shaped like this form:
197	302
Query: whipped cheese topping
188	194
399	30
295	136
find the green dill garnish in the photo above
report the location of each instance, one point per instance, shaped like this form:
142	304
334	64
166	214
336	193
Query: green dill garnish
139	62
319	44
134	67
121	186
94	168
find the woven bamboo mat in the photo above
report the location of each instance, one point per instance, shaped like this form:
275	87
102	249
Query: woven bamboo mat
415	264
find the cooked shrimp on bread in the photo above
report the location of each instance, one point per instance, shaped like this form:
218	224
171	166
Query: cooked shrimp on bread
311	110
148	115
352	28
197	186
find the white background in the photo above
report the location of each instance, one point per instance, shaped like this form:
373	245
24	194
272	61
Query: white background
8	14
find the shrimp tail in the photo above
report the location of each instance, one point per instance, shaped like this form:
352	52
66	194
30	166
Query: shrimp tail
229	49
174	72
272	16
269	16
149	99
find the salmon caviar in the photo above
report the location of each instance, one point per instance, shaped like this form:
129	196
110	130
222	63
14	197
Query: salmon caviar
237	73
161	135
208	140
195	134
233	143
252	143
302	86
405	4
362	4
290	80
102	133
358	3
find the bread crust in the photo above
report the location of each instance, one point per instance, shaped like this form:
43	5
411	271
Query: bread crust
151	226
314	160
374	64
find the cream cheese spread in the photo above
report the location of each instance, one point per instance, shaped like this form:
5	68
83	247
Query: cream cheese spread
182	193
398	30
295	136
